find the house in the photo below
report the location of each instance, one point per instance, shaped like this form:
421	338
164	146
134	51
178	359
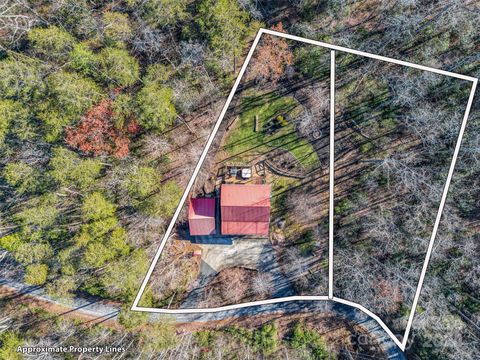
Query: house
245	209
201	216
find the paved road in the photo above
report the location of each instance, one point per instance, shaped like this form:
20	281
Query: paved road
102	311
348	312
86	307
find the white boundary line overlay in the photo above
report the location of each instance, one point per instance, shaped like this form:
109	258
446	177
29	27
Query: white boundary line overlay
439	213
401	344
331	173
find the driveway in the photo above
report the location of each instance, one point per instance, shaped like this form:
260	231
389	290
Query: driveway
251	253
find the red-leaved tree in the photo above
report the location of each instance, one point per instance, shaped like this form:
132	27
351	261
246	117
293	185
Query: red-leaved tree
271	58
97	134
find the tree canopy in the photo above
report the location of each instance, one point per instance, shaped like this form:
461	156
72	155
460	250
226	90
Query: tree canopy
12	115
156	110
84	60
164	202
96	133
51	42
21	78
117	28
119	68
25	178
224	24
70	170
71	95
164	12
96	207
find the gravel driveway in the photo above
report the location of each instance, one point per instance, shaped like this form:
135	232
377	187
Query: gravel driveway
257	254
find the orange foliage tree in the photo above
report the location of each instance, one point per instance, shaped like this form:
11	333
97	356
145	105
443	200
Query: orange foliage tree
271	57
97	134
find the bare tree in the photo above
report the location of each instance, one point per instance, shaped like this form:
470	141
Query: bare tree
305	209
155	146
262	285
315	113
16	19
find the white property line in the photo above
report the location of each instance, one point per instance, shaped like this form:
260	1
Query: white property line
366	54
331	172
439	213
275	301
195	172
401	345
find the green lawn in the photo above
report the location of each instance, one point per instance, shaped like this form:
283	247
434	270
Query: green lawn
243	141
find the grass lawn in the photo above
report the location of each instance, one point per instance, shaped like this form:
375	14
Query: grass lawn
243	142
280	189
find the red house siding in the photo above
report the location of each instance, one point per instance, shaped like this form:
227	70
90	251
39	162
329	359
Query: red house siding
245	228
201	216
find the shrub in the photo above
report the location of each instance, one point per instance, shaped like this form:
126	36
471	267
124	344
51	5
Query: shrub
342	207
307	243
311	340
9	342
205	338
266	338
131	319
159	336
36	274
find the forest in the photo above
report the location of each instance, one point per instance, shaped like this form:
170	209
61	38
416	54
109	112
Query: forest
105	108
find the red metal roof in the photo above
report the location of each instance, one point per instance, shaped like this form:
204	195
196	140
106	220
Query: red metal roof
245	209
245	195
201	216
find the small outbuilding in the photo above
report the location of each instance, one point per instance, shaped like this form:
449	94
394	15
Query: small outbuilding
245	209
201	216
197	253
